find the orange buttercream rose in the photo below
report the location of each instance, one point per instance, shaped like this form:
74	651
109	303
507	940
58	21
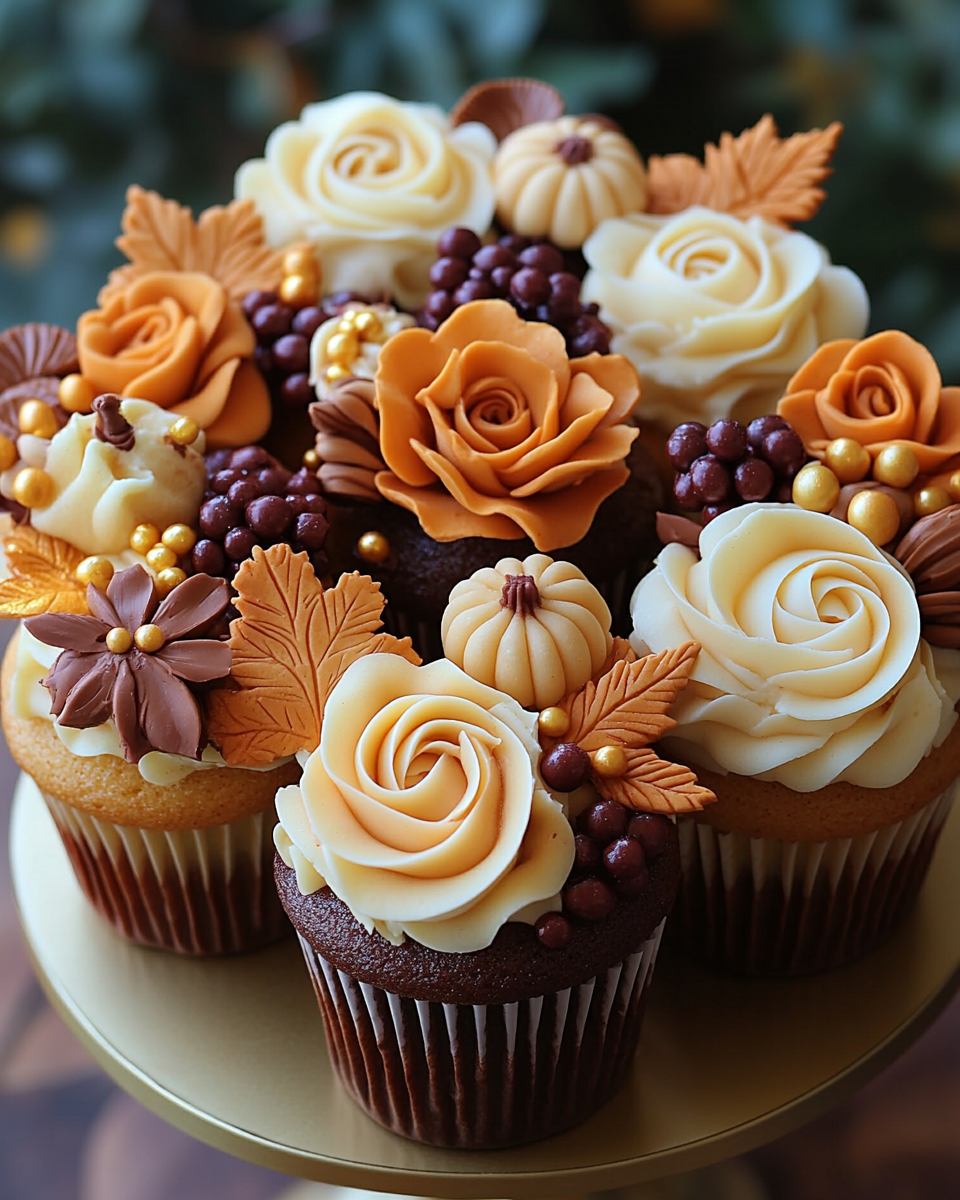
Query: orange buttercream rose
176	338
885	390
489	430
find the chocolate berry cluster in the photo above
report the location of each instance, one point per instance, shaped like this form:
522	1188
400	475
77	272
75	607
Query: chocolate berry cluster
613	847
727	463
283	340
531	273
253	500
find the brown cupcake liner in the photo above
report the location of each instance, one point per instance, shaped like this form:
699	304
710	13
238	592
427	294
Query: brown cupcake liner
762	906
480	1076
193	891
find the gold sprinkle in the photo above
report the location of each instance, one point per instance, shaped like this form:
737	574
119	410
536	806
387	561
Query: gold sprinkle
96	570
553	722
76	395
179	538
119	640
184	431
159	557
168	579
373	547
33	488
609	761
144	537
149	638
37	418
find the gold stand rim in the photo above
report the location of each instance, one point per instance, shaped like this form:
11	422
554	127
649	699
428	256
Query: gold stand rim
231	1050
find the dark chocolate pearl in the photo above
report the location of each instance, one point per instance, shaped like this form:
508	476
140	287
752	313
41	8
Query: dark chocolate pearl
243	491
605	820
223	479
590	899
553	930
545	258
257	299
216	516
686	494
439	306
515	242
761	427
307	504
291	352
296	390
488	257
783	450
302	483
448	273
714	510
500	278
754	480
727	439
268	516
273	479
624	858
590	336
458	243
586	854
474	289
564	302
245	458
308	320
218	460
263	358
530	287
311	530
565	767
652	829
711	479
272	321
208	558
239	542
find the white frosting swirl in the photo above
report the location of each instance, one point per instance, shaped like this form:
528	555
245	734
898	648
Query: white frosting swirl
716	313
102	494
422	807
372	183
811	667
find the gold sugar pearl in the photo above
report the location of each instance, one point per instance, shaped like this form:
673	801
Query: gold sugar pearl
301	262
609	761
300	291
184	431
373	547
930	500
159	557
896	466
953	486
335	373
168	579
33	488
553	722
369	325
96	570
119	640
149	638
348	320
8	452
144	538
311	460
37	418
75	394
816	488
343	348
875	514
847	459
179	538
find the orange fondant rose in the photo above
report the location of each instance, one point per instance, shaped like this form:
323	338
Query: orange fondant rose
176	338
489	430
884	390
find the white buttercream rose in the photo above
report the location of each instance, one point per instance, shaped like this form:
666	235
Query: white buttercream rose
811	667
372	182
422	807
716	313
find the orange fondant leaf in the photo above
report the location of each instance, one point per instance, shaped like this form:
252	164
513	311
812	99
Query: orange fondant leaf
628	705
652	785
291	644
620	651
756	174
42	575
226	243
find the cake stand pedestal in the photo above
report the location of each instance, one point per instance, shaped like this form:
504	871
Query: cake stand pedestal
232	1050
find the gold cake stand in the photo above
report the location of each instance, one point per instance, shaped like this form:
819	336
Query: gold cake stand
232	1051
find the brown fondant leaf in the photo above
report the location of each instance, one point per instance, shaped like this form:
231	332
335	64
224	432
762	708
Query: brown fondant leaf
755	174
226	243
33	350
627	706
42	575
650	784
291	644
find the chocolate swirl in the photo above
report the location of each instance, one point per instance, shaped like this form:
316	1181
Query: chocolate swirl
348	440
930	553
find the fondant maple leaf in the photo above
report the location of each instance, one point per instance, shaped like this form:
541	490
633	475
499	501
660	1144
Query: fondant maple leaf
620	651
651	784
226	243
293	641
756	174
42	575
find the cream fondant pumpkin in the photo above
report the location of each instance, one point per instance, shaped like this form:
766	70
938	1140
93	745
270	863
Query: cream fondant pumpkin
536	629
560	179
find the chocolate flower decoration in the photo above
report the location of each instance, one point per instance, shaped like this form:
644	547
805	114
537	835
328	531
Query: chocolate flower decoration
133	657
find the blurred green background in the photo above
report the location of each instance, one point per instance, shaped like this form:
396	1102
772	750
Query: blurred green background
174	94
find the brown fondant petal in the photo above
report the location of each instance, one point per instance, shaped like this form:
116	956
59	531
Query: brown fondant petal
504	105
192	607
28	351
83	690
125	712
101	608
197	661
134	596
69	631
169	716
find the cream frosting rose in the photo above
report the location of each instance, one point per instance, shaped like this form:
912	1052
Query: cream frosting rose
422	807
102	493
811	668
372	183
716	313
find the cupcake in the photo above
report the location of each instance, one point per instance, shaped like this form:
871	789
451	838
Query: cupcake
823	722
480	888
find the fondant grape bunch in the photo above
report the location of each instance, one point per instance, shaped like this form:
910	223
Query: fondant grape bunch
727	463
253	500
531	273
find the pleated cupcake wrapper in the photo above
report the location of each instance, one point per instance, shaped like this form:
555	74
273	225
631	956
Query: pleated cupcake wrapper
194	891
762	906
479	1076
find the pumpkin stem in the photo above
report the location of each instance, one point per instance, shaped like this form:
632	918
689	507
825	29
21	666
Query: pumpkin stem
520	593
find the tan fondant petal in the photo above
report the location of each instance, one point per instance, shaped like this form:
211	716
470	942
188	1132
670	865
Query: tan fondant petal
606	447
174	374
616	375
243	417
